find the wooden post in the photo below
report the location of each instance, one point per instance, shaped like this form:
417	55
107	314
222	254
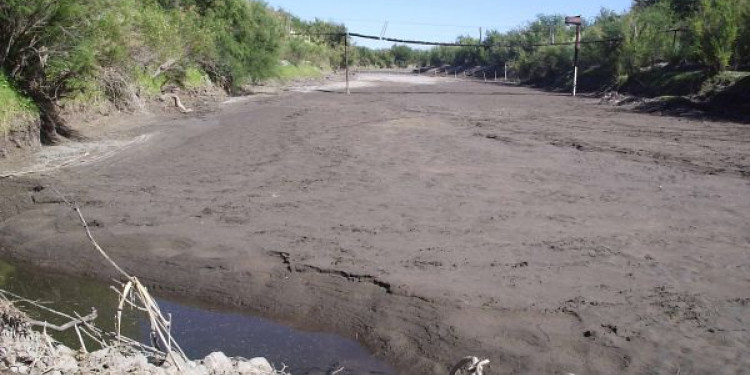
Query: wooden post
575	60
346	60
577	21
506	71
495	75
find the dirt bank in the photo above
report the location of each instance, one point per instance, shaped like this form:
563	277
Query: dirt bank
547	233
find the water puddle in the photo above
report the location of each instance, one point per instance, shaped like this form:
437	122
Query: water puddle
199	330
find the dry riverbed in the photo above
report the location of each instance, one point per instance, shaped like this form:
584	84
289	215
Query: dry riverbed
430	220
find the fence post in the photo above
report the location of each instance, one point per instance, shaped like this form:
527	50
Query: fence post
575	62
346	60
577	21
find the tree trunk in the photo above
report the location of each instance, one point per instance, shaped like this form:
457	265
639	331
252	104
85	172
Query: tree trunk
53	126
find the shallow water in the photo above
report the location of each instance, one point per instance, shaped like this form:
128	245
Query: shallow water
199	330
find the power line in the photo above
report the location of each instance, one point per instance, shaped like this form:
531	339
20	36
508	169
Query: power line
485	45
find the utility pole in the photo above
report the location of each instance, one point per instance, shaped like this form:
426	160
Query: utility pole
346	60
577	22
382	31
551	35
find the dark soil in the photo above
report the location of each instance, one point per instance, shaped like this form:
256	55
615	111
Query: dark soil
550	234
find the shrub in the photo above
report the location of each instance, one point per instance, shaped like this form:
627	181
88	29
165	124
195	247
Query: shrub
15	109
716	27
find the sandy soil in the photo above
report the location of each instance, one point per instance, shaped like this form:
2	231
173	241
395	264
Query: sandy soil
550	234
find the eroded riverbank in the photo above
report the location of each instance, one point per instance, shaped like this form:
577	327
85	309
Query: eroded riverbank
200	329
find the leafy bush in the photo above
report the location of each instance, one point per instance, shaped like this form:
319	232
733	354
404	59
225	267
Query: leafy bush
551	65
246	38
287	72
14	108
56	50
300	51
716	28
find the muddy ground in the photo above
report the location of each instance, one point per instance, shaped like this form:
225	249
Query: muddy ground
430	221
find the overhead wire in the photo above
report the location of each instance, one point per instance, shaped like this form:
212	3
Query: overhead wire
484	45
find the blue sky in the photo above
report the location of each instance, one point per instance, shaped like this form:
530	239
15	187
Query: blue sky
437	20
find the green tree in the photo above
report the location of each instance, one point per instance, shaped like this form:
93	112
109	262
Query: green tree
742	56
645	42
247	41
716	27
402	55
48	47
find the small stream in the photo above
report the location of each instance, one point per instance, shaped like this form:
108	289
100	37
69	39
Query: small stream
199	330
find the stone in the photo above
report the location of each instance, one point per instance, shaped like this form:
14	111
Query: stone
199	370
255	366
66	364
64	350
9	360
218	362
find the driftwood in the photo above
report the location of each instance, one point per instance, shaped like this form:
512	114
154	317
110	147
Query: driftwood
469	365
178	104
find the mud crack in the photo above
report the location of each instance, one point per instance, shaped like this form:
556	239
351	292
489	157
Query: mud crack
286	259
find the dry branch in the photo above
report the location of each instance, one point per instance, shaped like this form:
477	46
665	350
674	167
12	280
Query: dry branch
135	294
68	325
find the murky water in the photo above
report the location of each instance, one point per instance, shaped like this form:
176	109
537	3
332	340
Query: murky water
199	330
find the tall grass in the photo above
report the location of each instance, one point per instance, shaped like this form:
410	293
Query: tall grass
15	109
290	72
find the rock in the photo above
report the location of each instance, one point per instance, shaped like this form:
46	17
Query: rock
22	369
255	366
218	362
10	359
176	365
245	368
137	362
201	369
196	370
99	355
63	350
66	364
